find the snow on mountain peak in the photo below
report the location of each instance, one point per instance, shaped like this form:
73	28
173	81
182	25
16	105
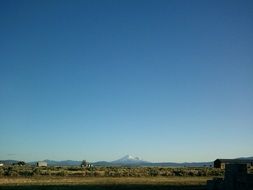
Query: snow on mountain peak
128	159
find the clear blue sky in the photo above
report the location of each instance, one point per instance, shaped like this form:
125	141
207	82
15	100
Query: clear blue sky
162	80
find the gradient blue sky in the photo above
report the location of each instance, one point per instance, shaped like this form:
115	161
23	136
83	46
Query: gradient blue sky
162	80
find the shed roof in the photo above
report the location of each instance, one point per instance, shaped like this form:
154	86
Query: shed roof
244	161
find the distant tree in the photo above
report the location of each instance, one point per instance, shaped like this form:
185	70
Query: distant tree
84	163
20	163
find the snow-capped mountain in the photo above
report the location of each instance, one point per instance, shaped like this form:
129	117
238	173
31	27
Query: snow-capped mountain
128	159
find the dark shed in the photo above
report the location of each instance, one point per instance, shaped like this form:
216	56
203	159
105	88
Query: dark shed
220	163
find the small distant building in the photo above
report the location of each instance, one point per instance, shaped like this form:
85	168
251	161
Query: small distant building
90	166
1	164
221	163
42	164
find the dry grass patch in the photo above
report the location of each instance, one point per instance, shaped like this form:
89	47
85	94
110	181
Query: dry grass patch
16	181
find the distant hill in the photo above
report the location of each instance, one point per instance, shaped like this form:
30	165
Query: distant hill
245	158
9	162
184	164
127	160
60	163
160	164
103	163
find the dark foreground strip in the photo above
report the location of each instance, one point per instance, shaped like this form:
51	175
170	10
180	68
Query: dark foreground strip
102	187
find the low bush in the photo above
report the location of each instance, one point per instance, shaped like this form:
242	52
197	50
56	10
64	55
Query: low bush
27	171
